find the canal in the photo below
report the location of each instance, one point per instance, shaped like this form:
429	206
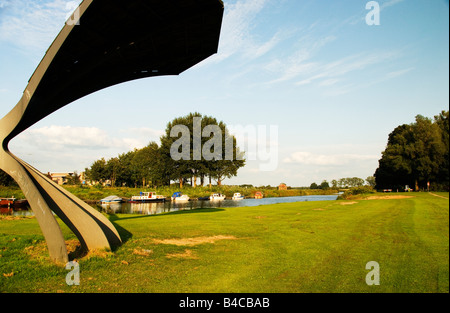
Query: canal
153	208
170	206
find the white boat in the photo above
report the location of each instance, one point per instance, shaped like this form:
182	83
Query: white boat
217	197
178	196
148	197
111	199
238	196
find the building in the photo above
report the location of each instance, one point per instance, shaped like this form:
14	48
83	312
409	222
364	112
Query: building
282	186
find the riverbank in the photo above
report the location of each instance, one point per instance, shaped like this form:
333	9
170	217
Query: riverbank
283	248
92	194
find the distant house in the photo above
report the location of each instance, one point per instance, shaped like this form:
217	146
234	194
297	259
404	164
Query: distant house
282	186
59	178
62	178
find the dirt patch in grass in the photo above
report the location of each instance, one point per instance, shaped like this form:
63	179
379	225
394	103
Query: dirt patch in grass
14	218
348	203
388	197
193	241
438	196
187	254
37	251
74	250
142	252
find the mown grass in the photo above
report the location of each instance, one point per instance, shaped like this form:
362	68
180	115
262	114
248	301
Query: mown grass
291	247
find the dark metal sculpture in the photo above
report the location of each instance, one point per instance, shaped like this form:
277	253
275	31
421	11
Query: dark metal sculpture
112	42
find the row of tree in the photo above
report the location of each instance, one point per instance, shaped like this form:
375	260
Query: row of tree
347	182
178	158
417	155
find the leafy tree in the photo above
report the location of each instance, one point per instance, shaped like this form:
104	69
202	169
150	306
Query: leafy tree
314	186
442	121
371	181
324	185
146	165
97	172
112	169
73	179
196	146
415	155
6	180
334	183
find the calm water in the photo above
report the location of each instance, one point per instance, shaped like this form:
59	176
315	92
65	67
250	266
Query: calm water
169	206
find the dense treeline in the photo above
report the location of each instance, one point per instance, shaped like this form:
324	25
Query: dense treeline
417	155
347	182
156	165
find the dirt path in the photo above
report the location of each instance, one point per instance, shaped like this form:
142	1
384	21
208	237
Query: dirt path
437	195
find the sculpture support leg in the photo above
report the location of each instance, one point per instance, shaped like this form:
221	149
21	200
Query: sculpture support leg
49	226
91	227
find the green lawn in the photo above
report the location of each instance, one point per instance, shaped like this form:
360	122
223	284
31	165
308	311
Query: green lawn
288	248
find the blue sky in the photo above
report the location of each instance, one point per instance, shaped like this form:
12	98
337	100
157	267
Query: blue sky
333	86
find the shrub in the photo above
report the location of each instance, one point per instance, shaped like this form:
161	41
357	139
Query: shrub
357	191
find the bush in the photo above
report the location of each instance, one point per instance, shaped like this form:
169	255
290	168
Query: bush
357	191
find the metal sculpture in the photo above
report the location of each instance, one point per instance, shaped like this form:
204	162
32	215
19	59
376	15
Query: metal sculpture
111	42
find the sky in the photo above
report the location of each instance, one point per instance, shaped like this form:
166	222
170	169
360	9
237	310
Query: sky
317	88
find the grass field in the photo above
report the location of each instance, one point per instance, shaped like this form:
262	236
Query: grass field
287	248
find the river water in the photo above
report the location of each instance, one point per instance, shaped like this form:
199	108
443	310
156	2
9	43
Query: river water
170	206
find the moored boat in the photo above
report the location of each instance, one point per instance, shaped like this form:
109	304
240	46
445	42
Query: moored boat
178	196
237	196
259	195
148	197
111	199
13	202
217	197
7	201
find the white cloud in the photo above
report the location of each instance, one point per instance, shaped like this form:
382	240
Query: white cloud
299	62
147	132
63	148
57	138
346	65
236	34
399	72
307	158
389	3
33	25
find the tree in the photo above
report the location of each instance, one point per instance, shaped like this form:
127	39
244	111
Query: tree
415	155
198	146
97	172
145	163
324	185
113	168
73	179
442	121
334	183
6	180
314	186
371	181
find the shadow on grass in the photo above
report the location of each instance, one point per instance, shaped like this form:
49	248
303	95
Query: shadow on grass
126	235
